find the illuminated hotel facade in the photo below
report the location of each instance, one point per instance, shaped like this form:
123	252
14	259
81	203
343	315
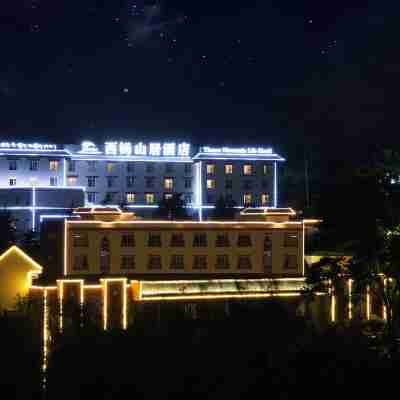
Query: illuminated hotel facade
39	181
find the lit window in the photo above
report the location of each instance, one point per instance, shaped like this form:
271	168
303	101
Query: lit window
53	165
128	240
228	168
168	196
200	262
92	197
91	165
267	169
222	240
92	181
130	197
168	183
290	240
34	165
154	262
210	169
177	261
247	199
12	165
177	240
130	181
105	256
290	261
80	262
128	262
13	181
200	240
222	261
264	199
71	180
244	262
149	198
80	239
110	167
210	183
53	181
154	240
244	240
71	166
247	169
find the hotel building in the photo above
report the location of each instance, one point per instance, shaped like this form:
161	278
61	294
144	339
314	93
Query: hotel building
39	181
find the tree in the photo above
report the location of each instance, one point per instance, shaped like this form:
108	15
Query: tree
8	230
224	208
172	208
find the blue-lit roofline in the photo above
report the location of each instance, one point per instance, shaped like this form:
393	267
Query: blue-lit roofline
103	157
236	157
83	188
36	152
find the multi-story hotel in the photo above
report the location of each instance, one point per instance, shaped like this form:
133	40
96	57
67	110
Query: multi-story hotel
39	181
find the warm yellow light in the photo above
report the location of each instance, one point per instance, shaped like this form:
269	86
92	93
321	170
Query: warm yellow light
45	331
350	305
220	296
333	301
368	304
384	306
60	300
105	301
65	247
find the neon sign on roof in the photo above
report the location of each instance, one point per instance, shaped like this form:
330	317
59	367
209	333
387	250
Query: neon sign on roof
27	146
237	150
170	149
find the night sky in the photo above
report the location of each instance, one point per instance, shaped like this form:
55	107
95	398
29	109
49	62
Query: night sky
266	72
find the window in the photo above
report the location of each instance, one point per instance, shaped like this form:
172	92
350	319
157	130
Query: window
12	165
267	169
127	262
210	183
12	181
177	240
105	255
264	184
149	181
168	196
187	197
80	262
92	181
168	183
154	240
247	185
228	184
53	181
222	240
92	165
130	181
177	261
149	168
200	262
290	262
169	168
244	262
200	240
71	180
53	165
34	165
290	240
247	169
264	199
210	169
110	197
128	240
244	240
210	199
130	167
71	166
222	261
80	239
154	262
130	197
247	199
228	169
92	197
188	169
188	183
149	198
111	181
110	167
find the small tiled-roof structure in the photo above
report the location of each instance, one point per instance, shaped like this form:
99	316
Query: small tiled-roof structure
17	270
